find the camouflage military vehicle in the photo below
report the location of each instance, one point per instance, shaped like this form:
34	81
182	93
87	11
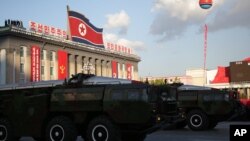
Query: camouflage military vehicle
204	107
97	109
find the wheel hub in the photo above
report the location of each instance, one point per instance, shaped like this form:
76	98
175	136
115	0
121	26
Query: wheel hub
100	133
57	133
196	120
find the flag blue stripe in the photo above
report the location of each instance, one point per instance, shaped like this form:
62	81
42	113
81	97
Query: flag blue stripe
80	40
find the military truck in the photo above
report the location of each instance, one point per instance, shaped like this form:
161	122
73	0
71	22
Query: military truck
98	109
203	107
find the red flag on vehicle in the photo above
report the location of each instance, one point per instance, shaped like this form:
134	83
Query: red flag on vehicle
83	31
62	65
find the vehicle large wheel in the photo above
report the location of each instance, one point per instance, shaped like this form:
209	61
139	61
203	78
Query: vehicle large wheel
5	130
61	129
197	120
102	129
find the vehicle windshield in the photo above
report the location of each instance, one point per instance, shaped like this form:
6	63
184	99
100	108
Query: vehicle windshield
162	92
130	94
140	95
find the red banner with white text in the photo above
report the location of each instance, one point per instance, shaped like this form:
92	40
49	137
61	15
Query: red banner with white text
62	65
35	63
114	69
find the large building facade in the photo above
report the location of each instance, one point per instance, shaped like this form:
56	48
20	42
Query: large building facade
27	56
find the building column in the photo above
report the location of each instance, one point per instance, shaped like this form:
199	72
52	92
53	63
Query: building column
98	67
3	66
85	62
124	71
91	66
79	64
119	70
71	64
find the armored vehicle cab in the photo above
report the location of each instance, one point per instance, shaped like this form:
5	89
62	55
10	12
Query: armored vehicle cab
96	108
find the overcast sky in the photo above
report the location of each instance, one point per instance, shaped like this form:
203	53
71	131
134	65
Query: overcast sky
166	34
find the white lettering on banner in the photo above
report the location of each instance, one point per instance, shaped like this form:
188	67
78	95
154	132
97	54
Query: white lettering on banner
49	30
35	63
118	48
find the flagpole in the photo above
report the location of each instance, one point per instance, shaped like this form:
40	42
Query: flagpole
68	26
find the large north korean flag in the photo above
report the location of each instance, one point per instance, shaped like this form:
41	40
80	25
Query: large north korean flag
83	31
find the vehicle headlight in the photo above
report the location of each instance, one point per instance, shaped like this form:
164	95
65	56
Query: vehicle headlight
226	97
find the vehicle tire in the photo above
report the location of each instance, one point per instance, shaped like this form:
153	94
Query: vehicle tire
61	129
181	124
197	120
5	130
102	129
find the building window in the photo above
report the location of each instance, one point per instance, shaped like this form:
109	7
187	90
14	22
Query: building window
22	52
21	68
21	80
43	54
51	71
42	70
23	55
51	56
